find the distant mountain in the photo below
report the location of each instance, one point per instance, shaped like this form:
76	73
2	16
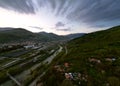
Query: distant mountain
92	60
8	35
6	28
52	36
75	35
49	36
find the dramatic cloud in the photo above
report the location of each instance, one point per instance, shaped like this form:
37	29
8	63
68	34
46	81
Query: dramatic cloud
22	6
59	24
74	13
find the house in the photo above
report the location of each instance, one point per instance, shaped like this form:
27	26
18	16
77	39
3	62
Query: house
66	65
68	76
94	60
71	76
110	59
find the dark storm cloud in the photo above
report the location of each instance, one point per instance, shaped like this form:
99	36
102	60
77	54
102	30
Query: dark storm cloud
59	24
22	6
96	13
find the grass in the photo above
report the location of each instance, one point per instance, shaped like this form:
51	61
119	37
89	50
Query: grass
98	45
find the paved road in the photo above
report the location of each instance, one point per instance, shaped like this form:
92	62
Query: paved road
9	64
26	72
48	60
12	78
2	58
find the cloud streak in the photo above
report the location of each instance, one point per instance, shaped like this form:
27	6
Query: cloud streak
22	6
64	29
36	27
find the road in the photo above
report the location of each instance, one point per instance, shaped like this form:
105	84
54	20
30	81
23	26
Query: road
1	58
48	60
22	75
9	64
12	78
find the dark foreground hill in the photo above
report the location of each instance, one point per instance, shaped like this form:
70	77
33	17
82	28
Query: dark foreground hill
14	35
92	60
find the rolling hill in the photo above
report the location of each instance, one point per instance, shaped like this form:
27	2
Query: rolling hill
8	35
49	37
15	35
92	60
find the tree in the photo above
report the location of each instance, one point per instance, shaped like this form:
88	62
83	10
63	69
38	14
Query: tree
66	82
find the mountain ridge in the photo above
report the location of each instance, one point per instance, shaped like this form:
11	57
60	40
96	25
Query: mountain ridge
20	35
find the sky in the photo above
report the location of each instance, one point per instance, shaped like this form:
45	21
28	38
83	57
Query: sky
60	16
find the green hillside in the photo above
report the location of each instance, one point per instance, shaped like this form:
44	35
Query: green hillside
15	35
22	35
93	60
49	36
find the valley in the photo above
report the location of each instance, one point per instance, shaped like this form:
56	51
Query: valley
22	65
89	60
59	42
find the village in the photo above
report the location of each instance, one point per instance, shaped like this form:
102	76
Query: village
77	77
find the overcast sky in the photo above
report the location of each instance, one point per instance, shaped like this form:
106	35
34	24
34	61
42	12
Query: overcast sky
60	16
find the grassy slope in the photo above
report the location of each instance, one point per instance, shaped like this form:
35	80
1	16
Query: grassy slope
97	45
20	35
49	36
15	35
